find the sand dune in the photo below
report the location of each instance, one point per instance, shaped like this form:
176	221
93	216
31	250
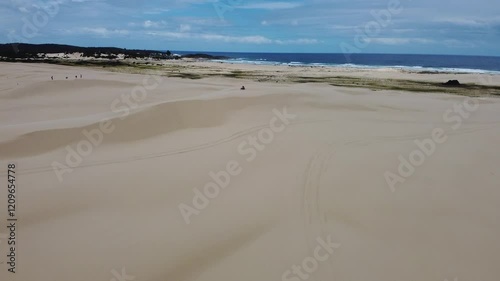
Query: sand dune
320	177
136	126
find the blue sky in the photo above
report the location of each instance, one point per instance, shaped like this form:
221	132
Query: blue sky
406	26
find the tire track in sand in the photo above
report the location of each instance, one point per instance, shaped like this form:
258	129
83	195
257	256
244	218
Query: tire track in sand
315	223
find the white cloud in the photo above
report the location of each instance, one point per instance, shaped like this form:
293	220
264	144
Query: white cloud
463	22
399	41
237	39
156	11
453	43
342	27
271	6
103	32
256	39
184	28
298	42
154	24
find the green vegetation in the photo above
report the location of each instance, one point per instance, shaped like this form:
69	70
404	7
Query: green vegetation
237	74
188	71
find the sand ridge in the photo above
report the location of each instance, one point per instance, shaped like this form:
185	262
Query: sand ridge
320	177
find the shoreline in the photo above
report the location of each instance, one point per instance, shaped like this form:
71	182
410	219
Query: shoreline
410	69
472	84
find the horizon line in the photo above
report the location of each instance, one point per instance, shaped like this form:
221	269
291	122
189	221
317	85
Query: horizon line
268	52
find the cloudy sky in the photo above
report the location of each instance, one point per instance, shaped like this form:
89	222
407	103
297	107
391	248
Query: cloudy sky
327	26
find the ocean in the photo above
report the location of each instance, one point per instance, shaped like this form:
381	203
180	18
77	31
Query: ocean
432	63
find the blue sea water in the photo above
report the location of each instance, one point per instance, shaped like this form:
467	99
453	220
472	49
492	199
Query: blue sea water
434	63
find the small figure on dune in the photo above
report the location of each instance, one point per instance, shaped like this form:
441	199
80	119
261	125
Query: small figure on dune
76	77
52	77
242	88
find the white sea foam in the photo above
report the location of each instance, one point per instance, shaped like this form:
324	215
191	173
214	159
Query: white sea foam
361	66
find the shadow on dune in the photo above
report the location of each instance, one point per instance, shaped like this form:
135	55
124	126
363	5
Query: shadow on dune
194	265
64	87
150	122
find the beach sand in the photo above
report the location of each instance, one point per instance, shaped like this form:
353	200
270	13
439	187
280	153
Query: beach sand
295	166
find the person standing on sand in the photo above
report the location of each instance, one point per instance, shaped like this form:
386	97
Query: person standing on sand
52	77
